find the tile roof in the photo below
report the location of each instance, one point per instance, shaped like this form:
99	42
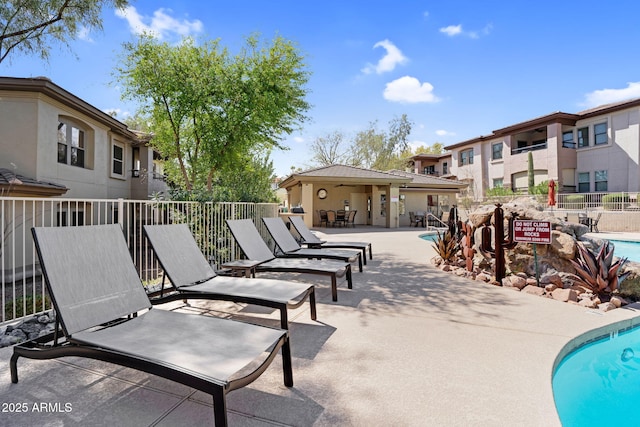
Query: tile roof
344	171
430	180
17	183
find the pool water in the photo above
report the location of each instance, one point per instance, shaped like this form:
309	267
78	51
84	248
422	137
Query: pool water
430	237
630	250
599	383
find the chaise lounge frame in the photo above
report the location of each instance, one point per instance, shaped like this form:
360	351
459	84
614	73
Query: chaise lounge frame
193	278
103	313
254	248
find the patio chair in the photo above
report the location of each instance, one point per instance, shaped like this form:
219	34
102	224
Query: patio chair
254	248
341	217
323	217
594	223
331	218
351	219
414	220
312	241
193	278
105	314
287	247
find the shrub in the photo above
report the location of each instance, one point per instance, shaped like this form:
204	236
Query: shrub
447	246
21	302
597	272
572	202
615	201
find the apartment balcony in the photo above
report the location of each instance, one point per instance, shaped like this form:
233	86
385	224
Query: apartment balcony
537	145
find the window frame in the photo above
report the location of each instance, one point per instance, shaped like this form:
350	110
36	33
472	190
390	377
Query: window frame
598	181
497	154
122	161
75	143
600	141
466	157
581	182
582	140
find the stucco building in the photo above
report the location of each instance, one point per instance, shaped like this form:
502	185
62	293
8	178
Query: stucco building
589	151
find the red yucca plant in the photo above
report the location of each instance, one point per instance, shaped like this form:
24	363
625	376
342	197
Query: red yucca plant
597	272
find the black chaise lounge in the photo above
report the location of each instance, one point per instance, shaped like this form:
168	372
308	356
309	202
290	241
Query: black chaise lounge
312	241
287	247
105	314
192	276
254	248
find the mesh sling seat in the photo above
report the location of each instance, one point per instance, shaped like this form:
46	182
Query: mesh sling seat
287	247
312	241
104	314
192	276
254	248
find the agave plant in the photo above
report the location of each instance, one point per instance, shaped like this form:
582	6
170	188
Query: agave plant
446	246
597	272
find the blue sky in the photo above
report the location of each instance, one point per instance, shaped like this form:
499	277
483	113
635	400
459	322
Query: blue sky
458	69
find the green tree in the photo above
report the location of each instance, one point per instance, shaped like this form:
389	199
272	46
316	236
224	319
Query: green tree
382	150
32	26
210	110
530	174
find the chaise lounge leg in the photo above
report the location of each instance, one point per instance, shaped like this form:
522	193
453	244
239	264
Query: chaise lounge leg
370	252
284	317
349	278
13	366
287	366
360	262
334	288
312	304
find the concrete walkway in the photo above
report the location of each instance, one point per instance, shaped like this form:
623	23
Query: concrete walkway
408	346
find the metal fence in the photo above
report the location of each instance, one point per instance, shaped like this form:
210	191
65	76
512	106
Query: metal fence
615	212
21	282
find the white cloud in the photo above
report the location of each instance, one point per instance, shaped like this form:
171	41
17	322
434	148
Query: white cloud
442	132
389	61
298	139
456	30
409	90
452	30
160	25
607	96
118	113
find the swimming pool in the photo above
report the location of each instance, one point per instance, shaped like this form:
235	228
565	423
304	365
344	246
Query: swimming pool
598	384
629	249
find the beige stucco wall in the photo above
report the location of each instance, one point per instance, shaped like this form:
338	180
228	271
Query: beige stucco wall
19	126
28	140
620	157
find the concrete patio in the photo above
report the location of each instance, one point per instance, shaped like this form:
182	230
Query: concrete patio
408	346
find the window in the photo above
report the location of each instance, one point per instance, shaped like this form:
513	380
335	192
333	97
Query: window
466	157
117	162
71	144
567	140
583	137
445	168
498	182
429	170
600	134
583	182
600	179
496	151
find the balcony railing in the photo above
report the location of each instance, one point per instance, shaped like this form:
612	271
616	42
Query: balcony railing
533	147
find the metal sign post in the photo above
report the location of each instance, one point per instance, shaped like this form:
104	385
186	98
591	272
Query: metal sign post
526	231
